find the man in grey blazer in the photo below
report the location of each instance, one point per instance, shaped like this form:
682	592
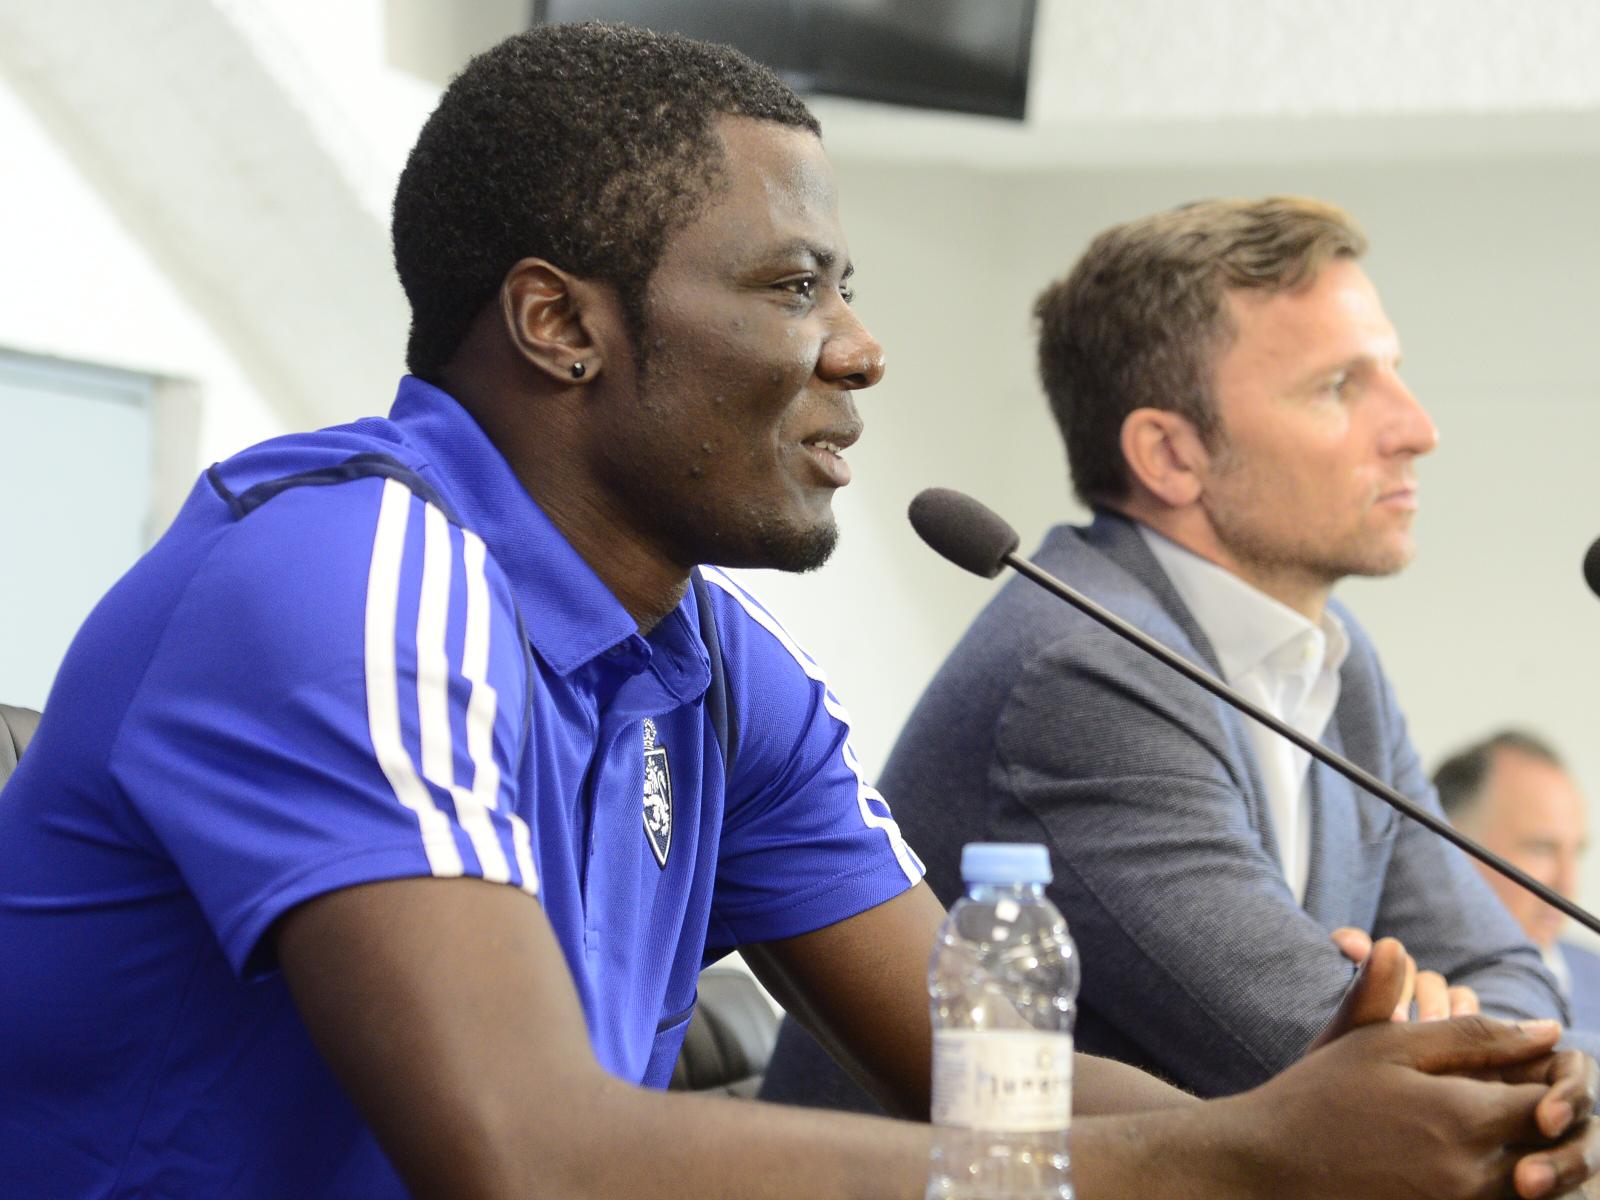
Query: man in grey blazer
1226	383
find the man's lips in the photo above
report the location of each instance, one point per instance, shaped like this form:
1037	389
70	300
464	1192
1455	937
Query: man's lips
1401	497
826	450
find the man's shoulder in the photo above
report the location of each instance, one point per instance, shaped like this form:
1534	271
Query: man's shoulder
371	447
315	498
1102	563
1583	961
1085	551
739	612
302	517
765	686
298	552
1027	642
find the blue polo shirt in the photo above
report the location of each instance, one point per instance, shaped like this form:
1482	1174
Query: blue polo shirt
367	654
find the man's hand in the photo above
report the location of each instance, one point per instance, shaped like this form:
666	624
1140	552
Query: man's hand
1383	986
1461	1104
1573	1080
1435	998
1380	994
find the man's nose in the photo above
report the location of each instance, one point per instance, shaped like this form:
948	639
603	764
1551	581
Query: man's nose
1409	429
851	356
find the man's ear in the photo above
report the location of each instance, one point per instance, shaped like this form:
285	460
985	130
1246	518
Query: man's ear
1165	455
556	321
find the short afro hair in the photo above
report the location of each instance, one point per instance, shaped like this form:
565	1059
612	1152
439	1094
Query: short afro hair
585	145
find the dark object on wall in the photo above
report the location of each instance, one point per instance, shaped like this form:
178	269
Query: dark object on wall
967	56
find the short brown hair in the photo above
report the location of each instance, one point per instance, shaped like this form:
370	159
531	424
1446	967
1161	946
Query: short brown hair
1140	318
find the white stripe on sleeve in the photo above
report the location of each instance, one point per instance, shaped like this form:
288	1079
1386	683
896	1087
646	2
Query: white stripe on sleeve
865	792
433	696
383	692
482	704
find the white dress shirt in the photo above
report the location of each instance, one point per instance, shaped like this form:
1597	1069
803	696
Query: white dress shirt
1277	658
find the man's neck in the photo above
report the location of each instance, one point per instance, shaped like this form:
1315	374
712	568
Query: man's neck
645	583
1189	528
546	459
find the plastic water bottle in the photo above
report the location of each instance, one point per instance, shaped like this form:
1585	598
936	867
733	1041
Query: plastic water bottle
1002	987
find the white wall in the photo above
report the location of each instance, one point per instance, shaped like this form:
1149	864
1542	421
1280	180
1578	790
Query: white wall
78	285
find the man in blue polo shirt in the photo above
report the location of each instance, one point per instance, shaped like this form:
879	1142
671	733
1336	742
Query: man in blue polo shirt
386	811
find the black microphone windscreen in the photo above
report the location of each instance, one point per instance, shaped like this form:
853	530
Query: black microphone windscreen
963	530
1591	567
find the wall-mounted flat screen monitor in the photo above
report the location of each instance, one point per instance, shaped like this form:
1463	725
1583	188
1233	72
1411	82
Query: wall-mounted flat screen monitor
966	56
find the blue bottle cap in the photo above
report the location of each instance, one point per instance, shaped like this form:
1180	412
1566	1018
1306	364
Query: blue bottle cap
1005	862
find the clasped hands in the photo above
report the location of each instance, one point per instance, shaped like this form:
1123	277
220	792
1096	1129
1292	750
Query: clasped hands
1540	1119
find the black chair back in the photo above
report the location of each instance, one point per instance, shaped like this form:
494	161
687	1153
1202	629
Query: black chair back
16	729
730	1037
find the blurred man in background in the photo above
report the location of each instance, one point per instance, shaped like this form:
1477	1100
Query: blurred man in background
1512	792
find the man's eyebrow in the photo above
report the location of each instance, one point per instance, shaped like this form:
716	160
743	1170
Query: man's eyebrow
824	257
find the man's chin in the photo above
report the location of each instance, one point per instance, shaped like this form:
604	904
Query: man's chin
775	547
800	550
1380	561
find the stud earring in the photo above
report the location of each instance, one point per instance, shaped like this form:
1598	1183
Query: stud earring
579	370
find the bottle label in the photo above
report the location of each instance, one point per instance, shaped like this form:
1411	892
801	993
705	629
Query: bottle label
1018	1080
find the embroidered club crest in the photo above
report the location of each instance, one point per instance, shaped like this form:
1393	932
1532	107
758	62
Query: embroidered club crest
657	795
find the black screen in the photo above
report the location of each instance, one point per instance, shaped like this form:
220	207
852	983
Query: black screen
958	55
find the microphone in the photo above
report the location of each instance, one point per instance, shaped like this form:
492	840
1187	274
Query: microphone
977	540
1591	567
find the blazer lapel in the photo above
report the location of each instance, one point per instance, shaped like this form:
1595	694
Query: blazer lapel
1119	539
1350	831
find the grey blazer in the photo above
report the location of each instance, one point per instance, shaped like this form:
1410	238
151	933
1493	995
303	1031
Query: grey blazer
1198	964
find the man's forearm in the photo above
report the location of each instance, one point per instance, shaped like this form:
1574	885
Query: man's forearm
1408	1136
667	1146
1180	1154
1105	1087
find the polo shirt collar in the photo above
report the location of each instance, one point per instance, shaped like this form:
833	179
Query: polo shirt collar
569	614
